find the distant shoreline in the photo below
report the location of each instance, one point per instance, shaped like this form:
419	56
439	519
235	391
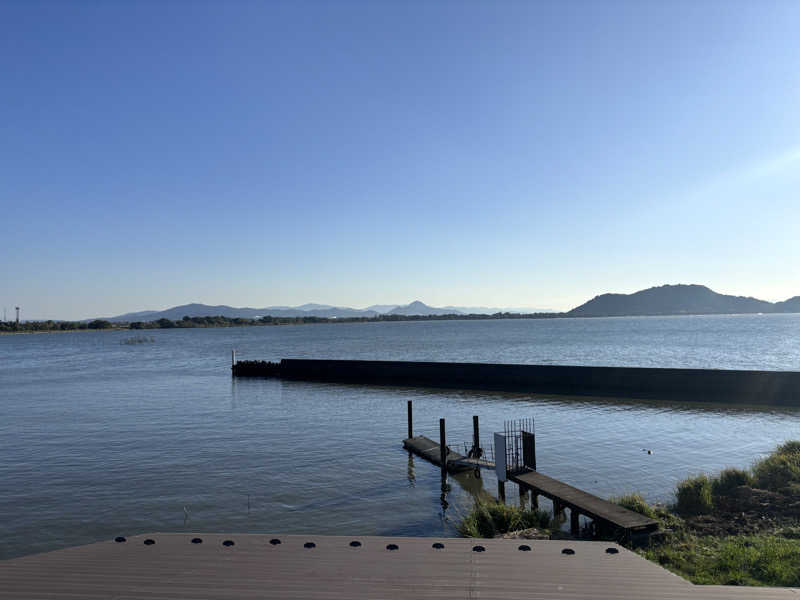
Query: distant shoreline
220	322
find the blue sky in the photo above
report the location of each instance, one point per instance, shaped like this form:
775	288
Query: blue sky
351	153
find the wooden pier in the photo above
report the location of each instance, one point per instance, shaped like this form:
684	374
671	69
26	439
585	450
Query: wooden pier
607	515
455	463
608	518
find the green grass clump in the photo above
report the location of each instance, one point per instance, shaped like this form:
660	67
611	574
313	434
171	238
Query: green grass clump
723	485
792	533
778	472
488	519
666	520
694	496
636	503
780	469
790	447
740	560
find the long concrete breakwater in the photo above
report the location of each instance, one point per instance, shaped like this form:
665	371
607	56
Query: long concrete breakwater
780	388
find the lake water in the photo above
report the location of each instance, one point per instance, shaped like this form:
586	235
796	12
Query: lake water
98	438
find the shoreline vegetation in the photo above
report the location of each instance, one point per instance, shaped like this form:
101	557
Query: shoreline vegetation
51	326
739	527
220	321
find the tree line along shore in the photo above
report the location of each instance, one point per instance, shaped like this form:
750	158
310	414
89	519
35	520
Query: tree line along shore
188	322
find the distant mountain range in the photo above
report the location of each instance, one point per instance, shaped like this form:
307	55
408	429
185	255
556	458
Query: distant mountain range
664	300
309	310
678	300
203	310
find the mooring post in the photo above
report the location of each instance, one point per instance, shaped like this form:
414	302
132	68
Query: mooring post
410	422
501	490
233	358
574	522
476	432
442	449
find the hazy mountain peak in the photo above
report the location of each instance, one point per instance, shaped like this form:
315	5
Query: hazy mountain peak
417	307
313	306
382	308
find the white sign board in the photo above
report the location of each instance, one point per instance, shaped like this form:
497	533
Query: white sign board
500	456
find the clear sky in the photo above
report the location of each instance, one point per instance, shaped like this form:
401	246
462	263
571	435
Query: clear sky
351	153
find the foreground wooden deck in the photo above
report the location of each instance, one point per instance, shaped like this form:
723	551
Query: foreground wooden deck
584	503
252	567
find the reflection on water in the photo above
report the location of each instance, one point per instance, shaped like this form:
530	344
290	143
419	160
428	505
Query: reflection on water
100	439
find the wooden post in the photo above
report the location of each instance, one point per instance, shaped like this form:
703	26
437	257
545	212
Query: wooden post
557	508
233	358
574	522
501	490
534	499
442	448
476	432
523	497
410	421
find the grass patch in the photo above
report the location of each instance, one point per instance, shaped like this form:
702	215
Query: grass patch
790	447
636	503
770	558
723	485
741	560
666	519
779	470
693	496
488	519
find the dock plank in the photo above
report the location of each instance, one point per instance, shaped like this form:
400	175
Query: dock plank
429	450
481	463
584	502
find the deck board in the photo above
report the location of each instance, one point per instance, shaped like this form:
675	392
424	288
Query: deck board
175	569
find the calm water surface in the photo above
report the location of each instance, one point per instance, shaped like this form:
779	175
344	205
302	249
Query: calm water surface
99	439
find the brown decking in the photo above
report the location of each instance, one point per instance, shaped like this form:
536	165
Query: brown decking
173	568
583	502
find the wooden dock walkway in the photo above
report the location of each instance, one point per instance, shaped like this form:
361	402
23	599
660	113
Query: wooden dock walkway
583	503
430	451
608	516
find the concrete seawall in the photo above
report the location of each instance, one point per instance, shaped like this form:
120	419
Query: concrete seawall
781	388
